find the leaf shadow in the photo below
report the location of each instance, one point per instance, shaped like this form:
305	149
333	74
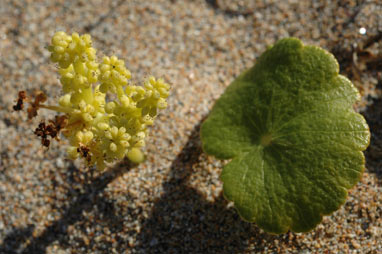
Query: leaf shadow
373	154
182	219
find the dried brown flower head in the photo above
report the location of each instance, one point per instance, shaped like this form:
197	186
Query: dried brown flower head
20	101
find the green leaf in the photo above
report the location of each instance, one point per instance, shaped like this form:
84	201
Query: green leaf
294	139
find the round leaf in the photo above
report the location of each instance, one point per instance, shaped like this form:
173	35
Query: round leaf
294	139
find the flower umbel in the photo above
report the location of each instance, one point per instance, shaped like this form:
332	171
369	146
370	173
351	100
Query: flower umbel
100	130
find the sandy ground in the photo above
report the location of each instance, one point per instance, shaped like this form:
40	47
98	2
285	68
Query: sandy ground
172	203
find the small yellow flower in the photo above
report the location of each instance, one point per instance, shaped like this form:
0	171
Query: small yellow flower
102	130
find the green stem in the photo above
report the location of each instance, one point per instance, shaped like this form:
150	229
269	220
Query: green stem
56	108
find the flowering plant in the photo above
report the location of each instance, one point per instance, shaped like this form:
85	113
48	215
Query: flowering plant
99	130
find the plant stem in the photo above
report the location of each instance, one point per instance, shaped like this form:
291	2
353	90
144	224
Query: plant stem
56	108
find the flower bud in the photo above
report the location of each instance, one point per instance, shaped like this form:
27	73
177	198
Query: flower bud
113	147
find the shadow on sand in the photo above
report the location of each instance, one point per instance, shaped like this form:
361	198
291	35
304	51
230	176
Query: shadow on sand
181	219
373	154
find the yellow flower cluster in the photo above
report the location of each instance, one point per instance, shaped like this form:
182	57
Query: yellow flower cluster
99	130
